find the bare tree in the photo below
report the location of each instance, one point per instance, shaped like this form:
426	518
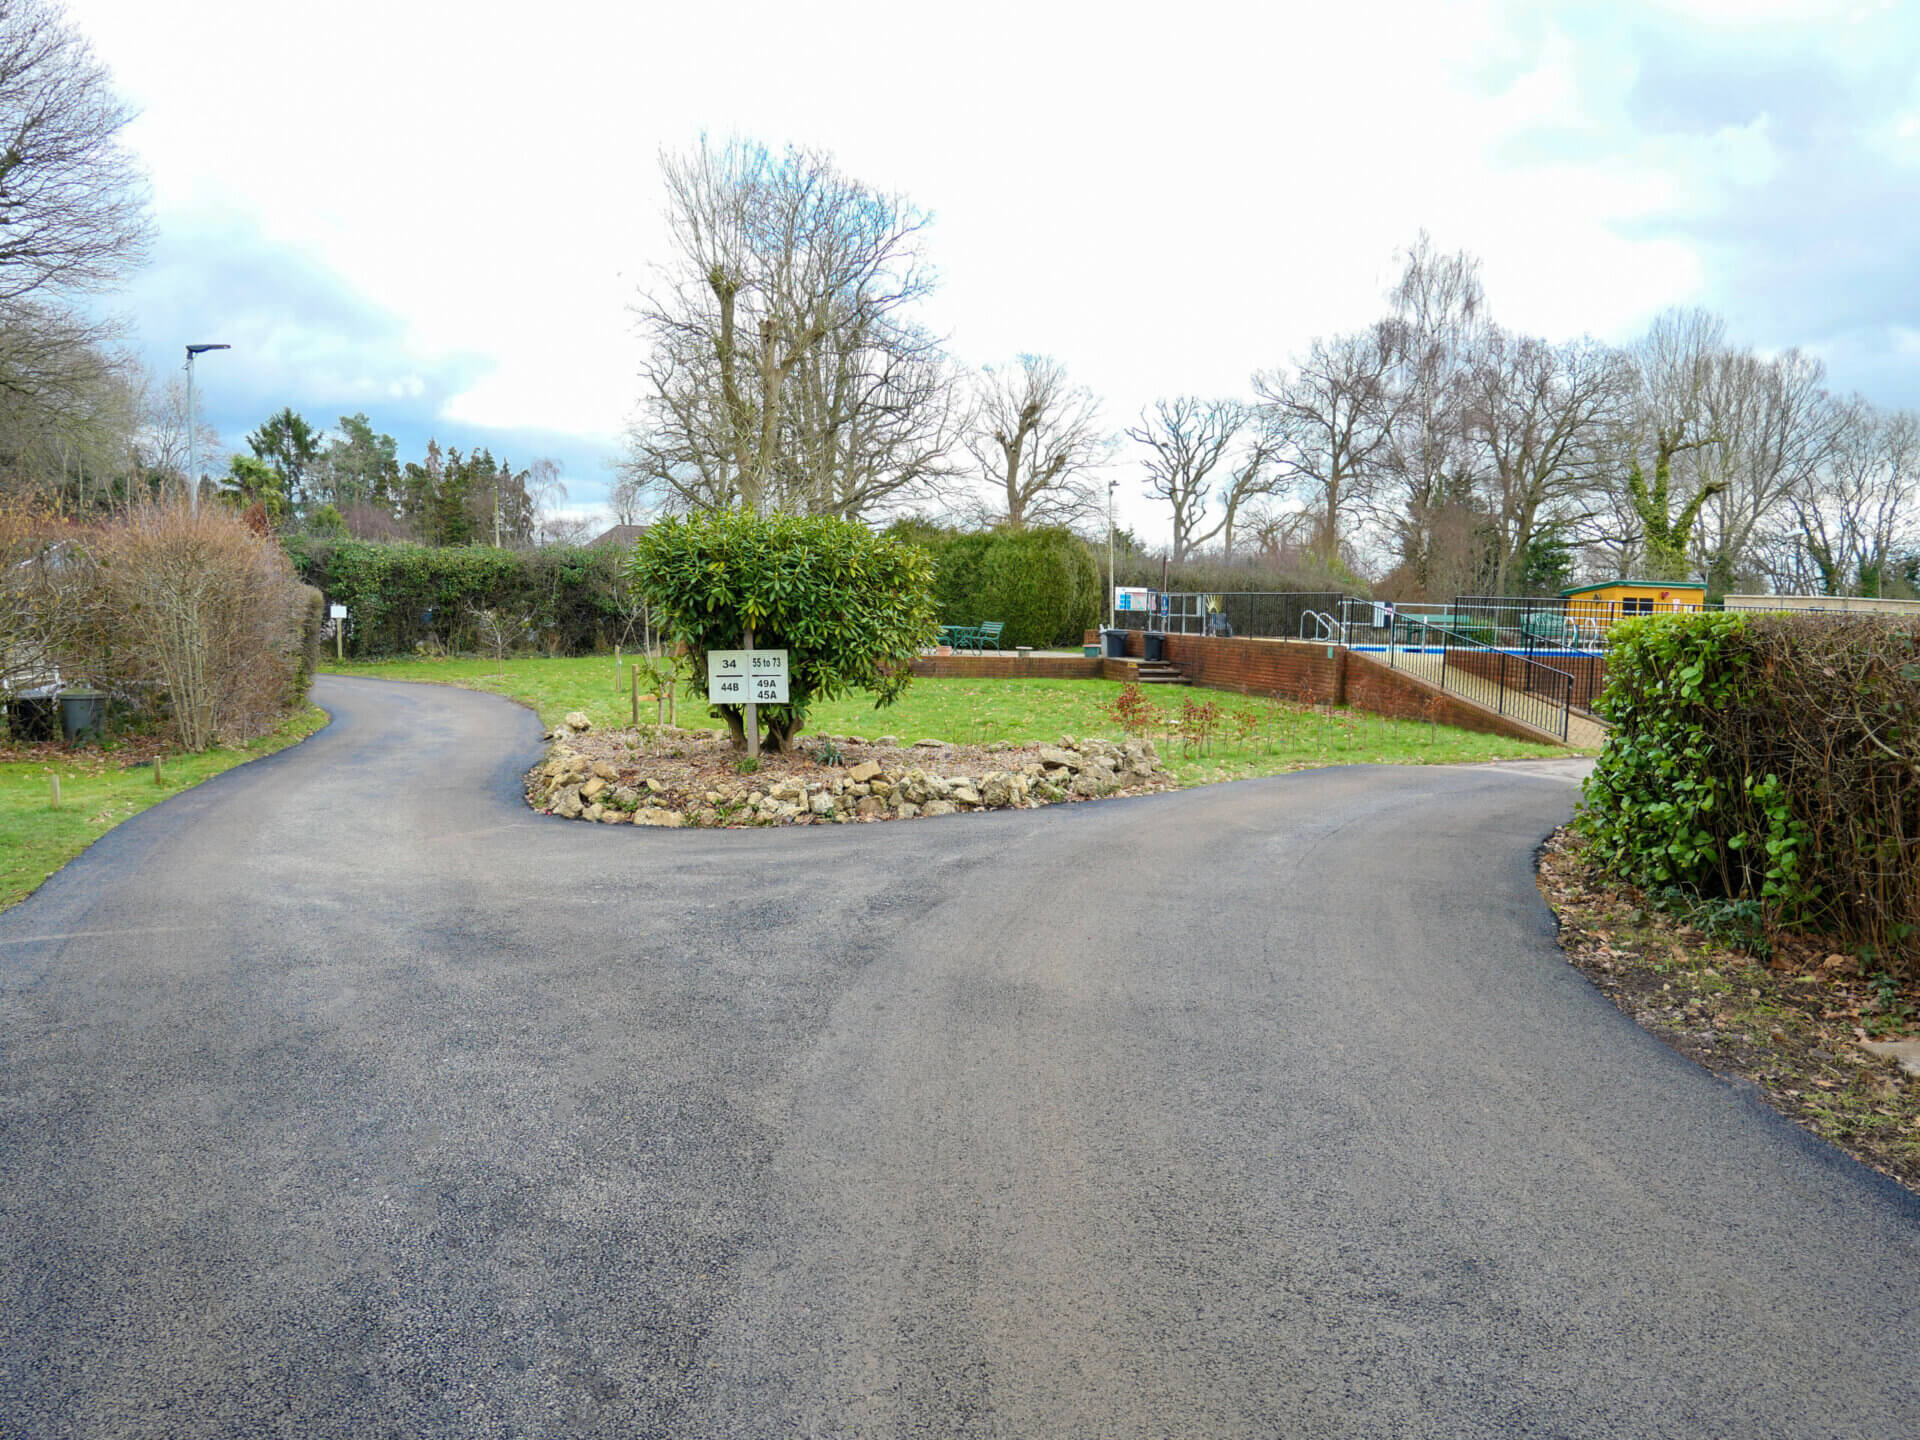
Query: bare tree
1673	366
782	262
1427	506
1771	427
1845	529
1036	438
72	219
1540	415
1186	441
874	423
72	198
1333	422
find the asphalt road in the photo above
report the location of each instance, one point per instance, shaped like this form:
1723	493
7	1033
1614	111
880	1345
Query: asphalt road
342	1096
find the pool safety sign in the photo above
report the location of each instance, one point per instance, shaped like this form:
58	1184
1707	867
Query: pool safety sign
1132	597
747	677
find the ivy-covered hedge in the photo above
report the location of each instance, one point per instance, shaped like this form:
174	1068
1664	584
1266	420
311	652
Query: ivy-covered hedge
1769	761
399	597
1042	585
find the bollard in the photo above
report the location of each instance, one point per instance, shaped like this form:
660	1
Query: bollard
56	791
159	776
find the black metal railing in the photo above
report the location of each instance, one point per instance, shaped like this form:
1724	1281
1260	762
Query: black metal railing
1527	690
1266	614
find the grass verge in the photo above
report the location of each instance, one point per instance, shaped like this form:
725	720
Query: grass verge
98	789
1792	1021
1269	737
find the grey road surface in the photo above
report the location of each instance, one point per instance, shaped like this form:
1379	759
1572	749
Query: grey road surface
344	1097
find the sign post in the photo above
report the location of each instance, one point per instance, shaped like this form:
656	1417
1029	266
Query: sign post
338	613
749	678
753	710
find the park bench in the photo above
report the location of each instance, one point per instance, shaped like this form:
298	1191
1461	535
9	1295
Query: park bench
973	637
986	634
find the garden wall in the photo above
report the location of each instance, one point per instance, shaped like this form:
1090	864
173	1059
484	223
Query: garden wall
1303	671
1589	672
1285	669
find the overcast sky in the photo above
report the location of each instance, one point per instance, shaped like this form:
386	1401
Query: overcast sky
439	214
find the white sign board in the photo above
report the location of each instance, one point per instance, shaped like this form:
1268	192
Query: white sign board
747	677
1130	597
337	611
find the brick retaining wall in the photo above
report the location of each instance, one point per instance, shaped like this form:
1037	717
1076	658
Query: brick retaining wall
1286	669
1007	667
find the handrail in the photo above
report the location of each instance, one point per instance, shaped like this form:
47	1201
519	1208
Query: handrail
1543	699
1326	628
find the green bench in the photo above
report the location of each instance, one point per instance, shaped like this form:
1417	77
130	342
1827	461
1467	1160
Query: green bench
973	637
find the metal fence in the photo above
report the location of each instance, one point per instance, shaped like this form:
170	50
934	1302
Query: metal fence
1502	680
1268	614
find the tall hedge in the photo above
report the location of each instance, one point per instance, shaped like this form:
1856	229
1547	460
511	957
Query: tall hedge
399	596
1042	585
1770	761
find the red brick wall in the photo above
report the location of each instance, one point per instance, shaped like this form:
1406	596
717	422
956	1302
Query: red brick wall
1589	672
1396	694
1290	669
1007	667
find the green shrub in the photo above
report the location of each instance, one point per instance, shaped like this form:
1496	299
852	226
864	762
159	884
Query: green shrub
850	608
313	622
1768	759
1043	584
402	596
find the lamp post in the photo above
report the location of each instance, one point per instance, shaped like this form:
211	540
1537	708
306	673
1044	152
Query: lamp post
1113	581
193	448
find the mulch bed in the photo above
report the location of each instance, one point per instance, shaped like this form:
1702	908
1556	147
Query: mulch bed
1792	1022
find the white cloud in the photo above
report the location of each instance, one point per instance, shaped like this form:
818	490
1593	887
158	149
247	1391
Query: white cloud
1165	200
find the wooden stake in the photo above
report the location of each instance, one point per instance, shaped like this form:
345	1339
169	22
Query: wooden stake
159	775
635	674
56	790
753	710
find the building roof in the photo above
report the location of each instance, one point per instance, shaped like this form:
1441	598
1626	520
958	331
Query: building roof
1637	584
619	535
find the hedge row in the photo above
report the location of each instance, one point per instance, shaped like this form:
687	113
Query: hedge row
1042	585
1772	762
570	601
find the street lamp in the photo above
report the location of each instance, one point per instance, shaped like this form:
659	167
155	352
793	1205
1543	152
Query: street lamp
1113	581
193	449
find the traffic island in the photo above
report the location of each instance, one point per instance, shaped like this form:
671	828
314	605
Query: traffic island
664	776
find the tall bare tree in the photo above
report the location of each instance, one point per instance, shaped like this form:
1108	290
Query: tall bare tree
1540	416
1332	421
1847	528
781	262
72	221
1427	506
1672	420
1187	440
1036	438
1770	427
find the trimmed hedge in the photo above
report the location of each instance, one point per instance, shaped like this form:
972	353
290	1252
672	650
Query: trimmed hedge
1771	762
402	596
1043	585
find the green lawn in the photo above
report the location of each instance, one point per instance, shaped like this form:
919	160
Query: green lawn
1280	736
97	792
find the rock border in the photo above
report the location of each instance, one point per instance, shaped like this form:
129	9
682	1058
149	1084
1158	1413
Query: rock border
670	777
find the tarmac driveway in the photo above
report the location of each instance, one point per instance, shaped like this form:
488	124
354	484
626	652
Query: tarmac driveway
343	1096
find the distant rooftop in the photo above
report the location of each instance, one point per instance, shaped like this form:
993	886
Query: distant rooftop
1637	584
620	535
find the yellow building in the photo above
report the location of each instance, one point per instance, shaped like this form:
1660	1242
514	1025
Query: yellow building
1613	600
